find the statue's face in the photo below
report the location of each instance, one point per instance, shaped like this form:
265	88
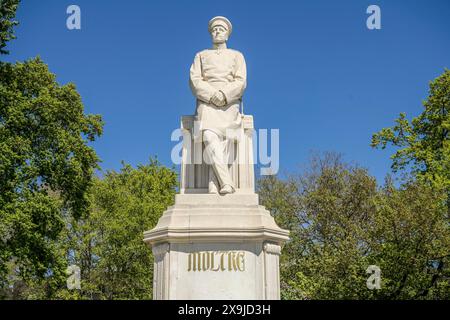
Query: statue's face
219	34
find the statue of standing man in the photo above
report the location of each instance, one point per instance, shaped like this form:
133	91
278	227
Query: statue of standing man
218	80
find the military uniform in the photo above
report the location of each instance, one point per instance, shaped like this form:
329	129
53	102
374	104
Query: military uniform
222	70
218	70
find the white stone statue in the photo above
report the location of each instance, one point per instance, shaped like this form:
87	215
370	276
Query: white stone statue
210	246
218	80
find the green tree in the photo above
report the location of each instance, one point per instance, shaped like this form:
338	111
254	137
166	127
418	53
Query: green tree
423	150
424	143
46	167
108	245
333	206
8	10
410	242
341	223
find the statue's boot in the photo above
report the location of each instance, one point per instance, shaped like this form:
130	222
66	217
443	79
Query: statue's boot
227	189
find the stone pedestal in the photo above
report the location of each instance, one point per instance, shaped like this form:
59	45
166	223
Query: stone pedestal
209	246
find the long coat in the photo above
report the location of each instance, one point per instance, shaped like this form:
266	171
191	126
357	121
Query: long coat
222	70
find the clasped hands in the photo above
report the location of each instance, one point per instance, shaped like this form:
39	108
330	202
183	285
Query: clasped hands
219	99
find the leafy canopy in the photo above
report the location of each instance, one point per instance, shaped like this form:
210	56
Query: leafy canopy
341	222
107	245
8	10
423	143
46	164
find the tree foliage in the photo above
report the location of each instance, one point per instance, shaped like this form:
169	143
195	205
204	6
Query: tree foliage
341	223
46	166
108	245
423	143
8	10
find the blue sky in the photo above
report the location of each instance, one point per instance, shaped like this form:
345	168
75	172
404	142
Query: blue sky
315	71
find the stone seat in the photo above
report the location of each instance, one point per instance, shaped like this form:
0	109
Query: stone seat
195	172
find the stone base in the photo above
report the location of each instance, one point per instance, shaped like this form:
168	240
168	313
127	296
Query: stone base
210	246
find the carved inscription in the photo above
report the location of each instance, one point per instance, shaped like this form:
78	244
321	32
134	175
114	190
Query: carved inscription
216	261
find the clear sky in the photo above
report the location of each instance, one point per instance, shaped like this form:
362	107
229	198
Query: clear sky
315	71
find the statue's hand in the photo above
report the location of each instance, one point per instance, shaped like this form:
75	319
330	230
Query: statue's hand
219	99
